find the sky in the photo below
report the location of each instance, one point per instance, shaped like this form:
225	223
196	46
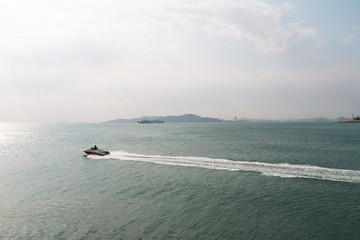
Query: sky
99	60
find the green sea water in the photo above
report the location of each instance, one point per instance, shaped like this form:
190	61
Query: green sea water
180	181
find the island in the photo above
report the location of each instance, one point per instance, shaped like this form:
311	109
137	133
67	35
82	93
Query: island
161	119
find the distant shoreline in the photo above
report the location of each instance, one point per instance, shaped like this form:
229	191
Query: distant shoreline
196	118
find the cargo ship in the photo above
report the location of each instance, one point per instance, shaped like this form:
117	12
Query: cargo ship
354	120
150	121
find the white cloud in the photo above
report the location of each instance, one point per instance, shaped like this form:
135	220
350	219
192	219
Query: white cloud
256	21
306	32
143	25
349	38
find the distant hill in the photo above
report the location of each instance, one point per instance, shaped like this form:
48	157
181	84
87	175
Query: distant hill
182	118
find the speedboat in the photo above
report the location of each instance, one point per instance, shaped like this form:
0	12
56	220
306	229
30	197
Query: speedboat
95	151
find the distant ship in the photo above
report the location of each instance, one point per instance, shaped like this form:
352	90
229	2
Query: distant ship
354	120
150	121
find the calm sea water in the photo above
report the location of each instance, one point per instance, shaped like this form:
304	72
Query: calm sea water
180	181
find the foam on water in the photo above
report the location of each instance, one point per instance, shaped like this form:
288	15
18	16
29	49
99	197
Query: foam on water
283	170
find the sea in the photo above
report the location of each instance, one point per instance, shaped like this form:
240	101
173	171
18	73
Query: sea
230	180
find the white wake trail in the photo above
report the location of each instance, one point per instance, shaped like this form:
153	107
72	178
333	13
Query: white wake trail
284	170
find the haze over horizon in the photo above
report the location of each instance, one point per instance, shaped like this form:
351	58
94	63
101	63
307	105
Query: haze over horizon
96	60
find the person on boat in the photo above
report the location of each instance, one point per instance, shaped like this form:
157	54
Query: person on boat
95	147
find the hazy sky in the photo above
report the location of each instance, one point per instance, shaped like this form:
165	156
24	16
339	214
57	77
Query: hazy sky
98	60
